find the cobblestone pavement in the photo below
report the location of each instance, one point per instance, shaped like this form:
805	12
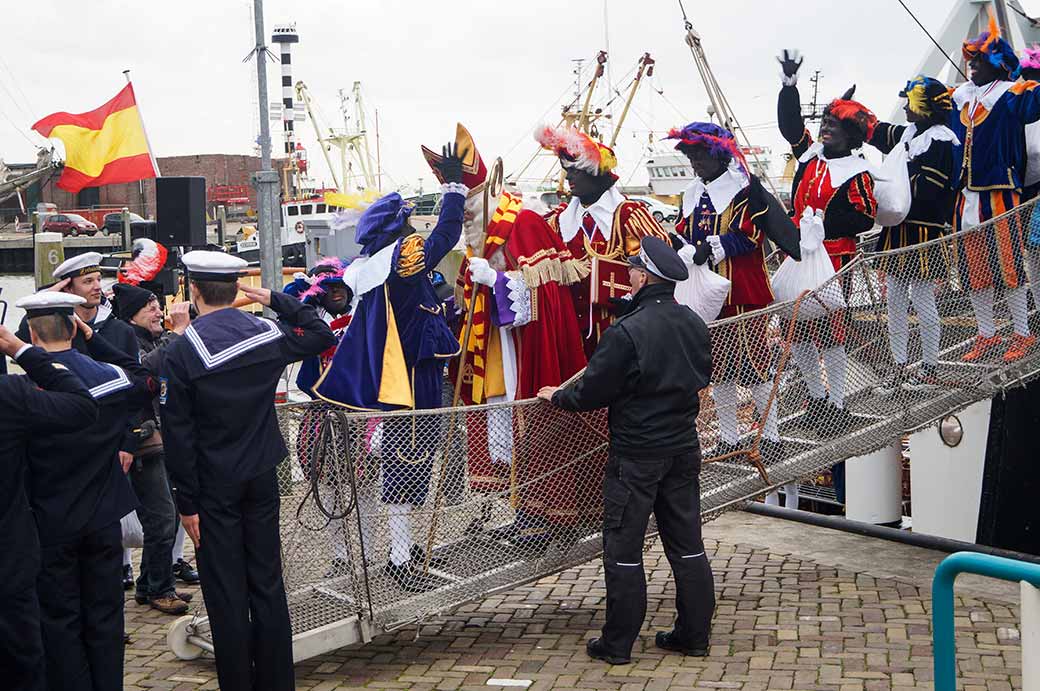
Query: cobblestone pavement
783	622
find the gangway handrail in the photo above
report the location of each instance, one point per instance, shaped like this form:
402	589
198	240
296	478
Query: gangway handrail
943	638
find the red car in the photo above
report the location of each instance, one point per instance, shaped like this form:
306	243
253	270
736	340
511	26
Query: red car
69	224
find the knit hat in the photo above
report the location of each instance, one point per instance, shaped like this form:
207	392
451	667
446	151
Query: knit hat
130	299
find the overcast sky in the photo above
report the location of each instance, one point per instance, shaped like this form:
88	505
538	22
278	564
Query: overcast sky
498	67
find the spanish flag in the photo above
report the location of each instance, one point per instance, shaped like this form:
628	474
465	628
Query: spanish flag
104	146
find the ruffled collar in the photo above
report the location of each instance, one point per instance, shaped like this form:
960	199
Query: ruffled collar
602	212
917	144
840	169
986	95
721	190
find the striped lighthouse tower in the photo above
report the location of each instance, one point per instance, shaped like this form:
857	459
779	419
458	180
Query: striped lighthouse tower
285	36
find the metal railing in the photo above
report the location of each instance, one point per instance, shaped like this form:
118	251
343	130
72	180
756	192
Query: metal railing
943	635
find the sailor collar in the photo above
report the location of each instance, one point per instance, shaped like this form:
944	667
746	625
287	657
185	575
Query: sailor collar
104	311
222	336
101	378
986	95
917	144
840	169
721	190
602	212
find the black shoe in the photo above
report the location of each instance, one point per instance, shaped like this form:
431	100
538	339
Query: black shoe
185	572
771	450
418	555
925	378
128	578
408	579
669	640
598	651
893	383
338	567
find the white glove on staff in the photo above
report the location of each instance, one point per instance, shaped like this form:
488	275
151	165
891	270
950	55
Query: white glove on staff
481	272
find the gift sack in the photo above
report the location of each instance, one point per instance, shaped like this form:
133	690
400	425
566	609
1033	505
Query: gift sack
704	292
815	269
892	189
133	533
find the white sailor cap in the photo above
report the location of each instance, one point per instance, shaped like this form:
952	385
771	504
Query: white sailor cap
207	265
49	302
80	265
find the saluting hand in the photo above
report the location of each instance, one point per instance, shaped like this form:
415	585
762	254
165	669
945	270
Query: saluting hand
180	317
59	286
9	343
261	295
82	327
191	527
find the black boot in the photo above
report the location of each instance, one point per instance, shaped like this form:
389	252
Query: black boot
598	651
408	579
669	640
128	577
418	556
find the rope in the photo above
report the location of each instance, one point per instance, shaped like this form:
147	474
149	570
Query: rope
936	43
316	470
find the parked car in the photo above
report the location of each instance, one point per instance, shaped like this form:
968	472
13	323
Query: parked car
113	223
69	224
659	210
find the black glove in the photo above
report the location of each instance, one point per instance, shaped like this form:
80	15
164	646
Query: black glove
621	306
450	166
676	240
790	61
849	93
702	253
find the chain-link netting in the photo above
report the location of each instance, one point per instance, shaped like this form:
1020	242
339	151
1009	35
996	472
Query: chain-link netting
476	499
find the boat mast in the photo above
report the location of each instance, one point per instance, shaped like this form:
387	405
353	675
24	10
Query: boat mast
646	64
323	142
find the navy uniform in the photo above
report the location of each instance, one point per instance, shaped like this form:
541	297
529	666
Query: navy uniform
649	368
223	444
78	492
50	399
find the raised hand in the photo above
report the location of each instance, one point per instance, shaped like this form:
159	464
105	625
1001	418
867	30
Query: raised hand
450	166
790	60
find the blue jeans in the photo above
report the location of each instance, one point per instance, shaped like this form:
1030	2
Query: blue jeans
159	522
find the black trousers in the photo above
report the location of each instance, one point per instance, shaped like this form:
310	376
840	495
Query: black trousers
670	488
158	518
81	611
21	645
240	564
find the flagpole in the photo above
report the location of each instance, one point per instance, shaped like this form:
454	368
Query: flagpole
266	179
140	117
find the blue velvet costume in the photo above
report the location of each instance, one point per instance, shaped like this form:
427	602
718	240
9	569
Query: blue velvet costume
393	353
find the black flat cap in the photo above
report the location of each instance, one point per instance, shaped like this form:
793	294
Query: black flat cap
658	257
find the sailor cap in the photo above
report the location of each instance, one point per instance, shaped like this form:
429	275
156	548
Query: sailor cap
207	265
80	265
658	257
49	302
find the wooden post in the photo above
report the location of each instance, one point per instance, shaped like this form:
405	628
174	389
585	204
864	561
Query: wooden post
124	223
48	253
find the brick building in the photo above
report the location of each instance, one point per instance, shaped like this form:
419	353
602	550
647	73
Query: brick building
234	170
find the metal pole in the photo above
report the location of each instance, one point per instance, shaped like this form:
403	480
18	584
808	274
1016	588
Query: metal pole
1000	8
266	179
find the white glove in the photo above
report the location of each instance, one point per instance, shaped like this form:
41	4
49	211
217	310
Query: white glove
718	252
811	230
686	253
481	272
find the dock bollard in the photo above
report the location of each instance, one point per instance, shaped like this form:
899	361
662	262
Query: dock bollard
49	253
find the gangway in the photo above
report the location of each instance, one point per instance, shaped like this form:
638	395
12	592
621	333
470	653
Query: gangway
491	461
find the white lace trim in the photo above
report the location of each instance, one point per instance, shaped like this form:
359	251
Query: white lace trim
918	144
456	187
721	190
519	298
789	81
840	169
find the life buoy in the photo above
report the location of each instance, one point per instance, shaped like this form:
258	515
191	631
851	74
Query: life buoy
299	227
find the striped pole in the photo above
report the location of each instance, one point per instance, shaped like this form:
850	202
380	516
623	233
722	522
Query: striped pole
285	36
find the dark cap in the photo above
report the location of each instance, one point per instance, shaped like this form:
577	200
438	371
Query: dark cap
130	299
657	257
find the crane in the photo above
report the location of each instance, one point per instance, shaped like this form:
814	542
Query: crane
352	145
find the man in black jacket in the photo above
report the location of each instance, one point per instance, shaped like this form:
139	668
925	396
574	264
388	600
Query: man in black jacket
223	444
649	368
49	399
155	585
78	492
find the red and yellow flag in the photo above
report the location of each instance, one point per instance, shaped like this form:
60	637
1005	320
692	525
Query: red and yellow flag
104	146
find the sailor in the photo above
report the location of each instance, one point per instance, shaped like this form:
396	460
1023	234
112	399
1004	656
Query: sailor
393	354
992	164
831	180
599	226
649	369
78	490
81	275
911	276
223	444
524	336
49	399
725	222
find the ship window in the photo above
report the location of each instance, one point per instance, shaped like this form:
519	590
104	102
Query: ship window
320	208
306	209
292	210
